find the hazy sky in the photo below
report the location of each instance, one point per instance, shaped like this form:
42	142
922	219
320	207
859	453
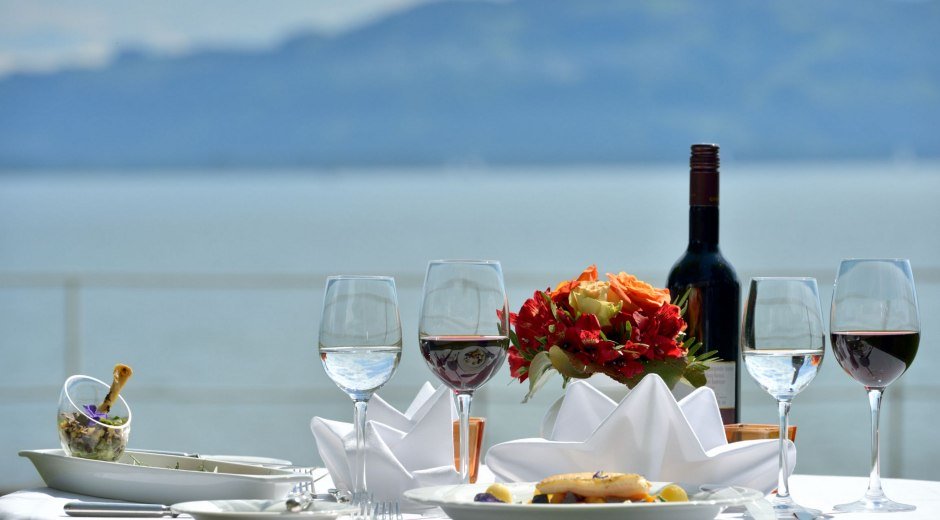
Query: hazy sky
49	34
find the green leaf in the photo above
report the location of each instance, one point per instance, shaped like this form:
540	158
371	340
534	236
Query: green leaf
540	371
707	355
567	366
695	374
671	370
683	300
513	338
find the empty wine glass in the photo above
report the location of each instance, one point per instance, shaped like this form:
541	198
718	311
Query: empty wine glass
783	341
360	346
875	332
463	332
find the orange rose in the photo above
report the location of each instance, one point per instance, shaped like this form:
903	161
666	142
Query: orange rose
588	275
635	294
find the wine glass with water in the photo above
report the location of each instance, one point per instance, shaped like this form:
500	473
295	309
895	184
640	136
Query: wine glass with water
463	332
360	346
783	340
875	331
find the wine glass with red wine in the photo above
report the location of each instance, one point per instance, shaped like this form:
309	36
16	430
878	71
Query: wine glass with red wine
463	332
875	331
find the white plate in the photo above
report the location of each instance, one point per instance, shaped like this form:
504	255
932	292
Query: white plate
258	510
157	479
457	502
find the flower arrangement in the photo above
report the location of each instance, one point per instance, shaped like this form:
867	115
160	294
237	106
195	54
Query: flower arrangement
623	327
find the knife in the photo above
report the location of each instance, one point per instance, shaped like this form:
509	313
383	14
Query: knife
173	453
124	509
131	510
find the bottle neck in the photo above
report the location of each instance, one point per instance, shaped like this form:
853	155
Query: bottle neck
703	228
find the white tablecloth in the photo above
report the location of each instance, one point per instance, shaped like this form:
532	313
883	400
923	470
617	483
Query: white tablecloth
820	492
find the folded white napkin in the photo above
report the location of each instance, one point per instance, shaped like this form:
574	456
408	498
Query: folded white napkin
647	433
403	450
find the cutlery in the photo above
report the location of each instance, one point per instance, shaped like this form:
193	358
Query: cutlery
168	452
296	504
117	509
388	510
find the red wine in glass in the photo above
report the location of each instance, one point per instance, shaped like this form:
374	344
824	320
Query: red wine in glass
875	332
875	358
463	332
464	363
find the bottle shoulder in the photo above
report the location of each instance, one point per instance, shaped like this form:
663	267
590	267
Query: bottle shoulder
701	266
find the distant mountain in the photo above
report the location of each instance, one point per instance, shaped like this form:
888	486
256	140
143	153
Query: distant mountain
529	81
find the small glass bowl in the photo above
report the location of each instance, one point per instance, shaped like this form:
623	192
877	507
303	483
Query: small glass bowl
86	434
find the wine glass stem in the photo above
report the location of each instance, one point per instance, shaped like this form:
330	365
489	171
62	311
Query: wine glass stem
359	484
462	400
874	479
783	473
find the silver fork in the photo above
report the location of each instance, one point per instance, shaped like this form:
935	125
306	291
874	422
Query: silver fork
304	492
305	487
388	510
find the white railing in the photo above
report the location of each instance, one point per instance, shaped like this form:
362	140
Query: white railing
213	376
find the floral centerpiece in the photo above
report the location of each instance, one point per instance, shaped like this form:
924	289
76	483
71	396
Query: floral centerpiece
623	327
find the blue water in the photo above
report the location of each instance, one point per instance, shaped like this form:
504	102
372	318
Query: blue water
209	284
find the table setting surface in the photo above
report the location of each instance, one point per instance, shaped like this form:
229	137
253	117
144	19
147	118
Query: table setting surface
821	492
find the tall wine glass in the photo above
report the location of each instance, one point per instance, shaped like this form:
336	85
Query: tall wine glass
360	346
783	341
463	332
875	332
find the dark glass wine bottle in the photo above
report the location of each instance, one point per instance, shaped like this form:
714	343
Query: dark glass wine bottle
714	293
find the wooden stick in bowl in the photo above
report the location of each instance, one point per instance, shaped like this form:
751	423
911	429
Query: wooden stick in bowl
121	374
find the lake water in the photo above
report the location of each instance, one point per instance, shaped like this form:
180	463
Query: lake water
210	284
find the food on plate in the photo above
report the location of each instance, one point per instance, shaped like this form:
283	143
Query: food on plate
122	373
93	433
594	487
673	493
590	488
495	493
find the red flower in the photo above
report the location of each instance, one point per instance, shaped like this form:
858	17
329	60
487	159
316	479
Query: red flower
516	365
533	323
630	368
642	332
659	331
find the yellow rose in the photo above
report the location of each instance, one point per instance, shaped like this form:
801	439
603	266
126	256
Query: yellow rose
591	298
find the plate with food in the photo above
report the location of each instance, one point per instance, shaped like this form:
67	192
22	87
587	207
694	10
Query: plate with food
163	479
586	496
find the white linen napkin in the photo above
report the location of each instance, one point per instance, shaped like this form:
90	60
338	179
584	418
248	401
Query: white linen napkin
648	433
403	450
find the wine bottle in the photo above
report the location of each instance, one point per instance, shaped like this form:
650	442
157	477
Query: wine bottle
714	293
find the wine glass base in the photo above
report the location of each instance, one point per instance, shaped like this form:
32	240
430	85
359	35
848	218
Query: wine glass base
874	505
787	508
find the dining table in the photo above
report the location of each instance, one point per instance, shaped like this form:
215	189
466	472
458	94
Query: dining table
817	491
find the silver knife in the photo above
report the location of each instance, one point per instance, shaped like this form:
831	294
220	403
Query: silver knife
124	509
173	453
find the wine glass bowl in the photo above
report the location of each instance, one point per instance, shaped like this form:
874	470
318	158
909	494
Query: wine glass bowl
875	331
463	331
783	342
360	346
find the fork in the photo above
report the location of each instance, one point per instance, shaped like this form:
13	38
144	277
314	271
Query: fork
303	492
387	510
315	475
